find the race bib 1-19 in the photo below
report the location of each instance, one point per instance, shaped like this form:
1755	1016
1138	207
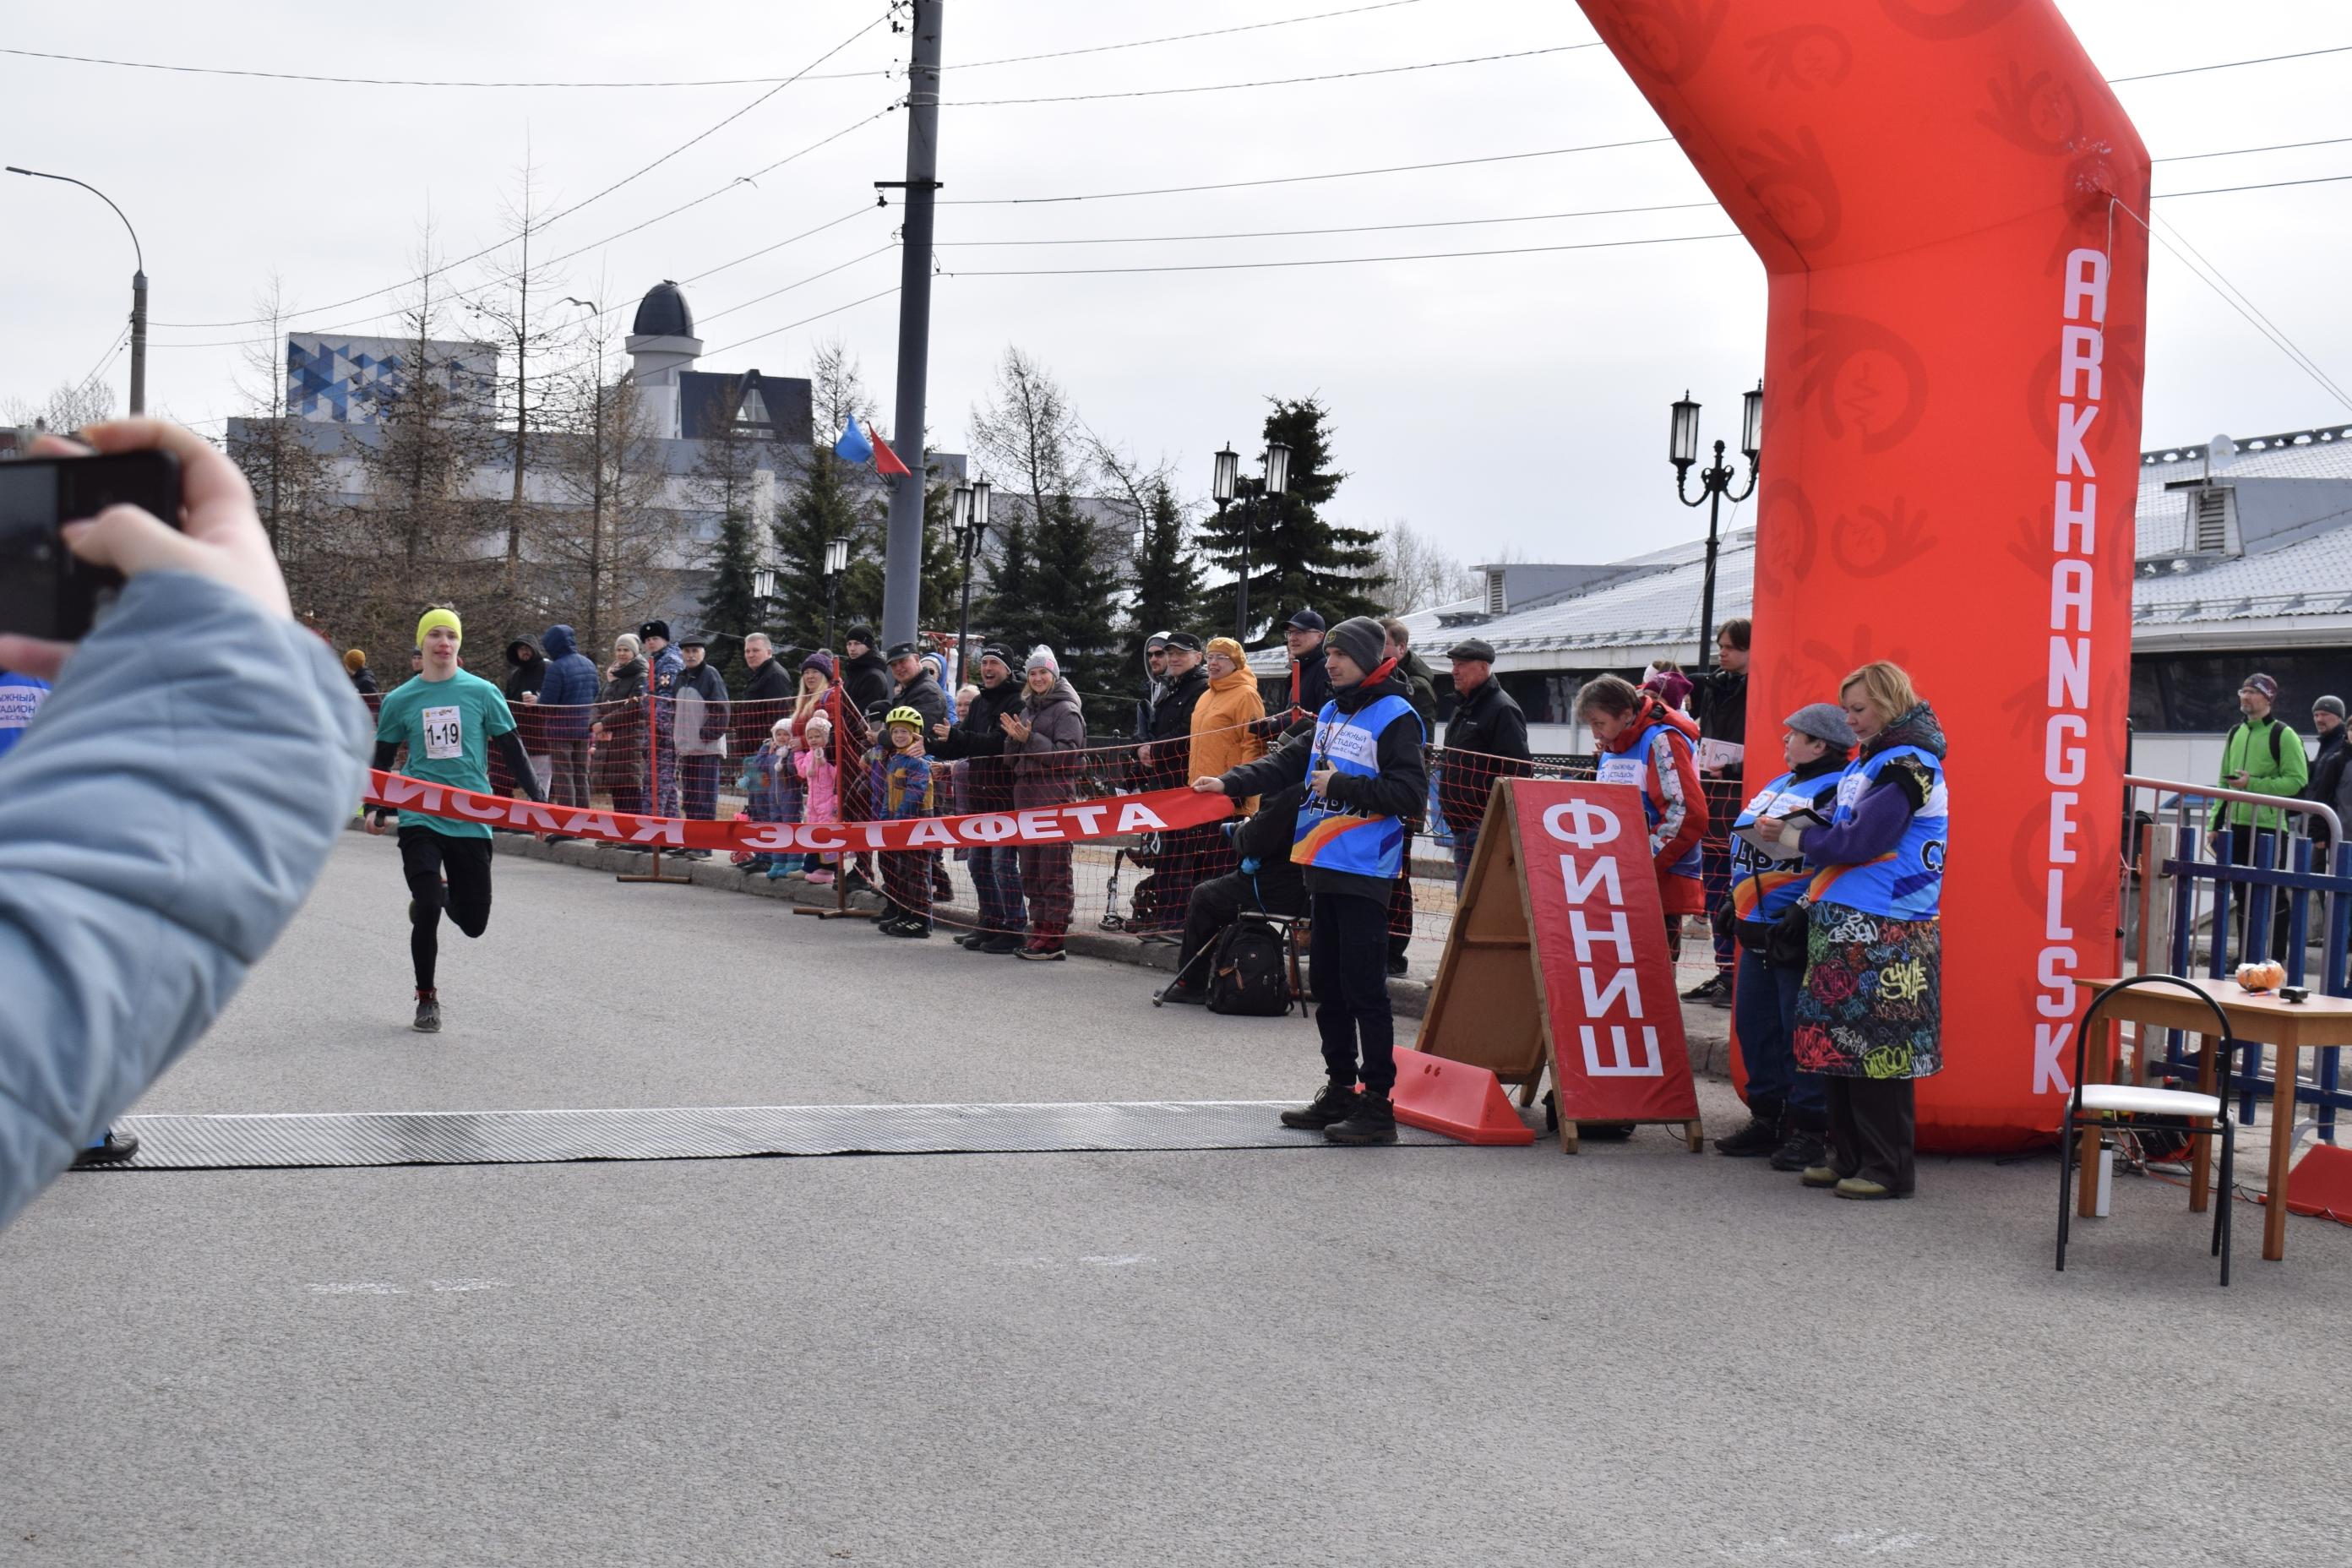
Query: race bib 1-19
445	733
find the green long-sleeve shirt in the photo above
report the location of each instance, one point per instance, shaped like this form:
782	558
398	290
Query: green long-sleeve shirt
2270	769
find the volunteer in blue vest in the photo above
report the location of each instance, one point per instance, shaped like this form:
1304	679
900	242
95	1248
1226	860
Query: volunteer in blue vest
1361	764
1871	1018
1653	746
1787	1115
448	719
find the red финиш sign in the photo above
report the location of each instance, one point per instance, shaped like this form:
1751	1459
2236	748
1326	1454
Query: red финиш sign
1599	936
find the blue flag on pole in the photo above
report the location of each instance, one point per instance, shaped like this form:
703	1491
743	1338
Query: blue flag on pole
854	446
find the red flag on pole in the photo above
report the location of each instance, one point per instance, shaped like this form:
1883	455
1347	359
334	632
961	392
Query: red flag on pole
887	461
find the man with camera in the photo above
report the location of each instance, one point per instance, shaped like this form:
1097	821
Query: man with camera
167	809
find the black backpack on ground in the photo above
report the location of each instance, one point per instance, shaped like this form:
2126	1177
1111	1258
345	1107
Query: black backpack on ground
1247	973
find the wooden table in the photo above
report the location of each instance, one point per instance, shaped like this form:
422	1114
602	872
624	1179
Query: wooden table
2293	1027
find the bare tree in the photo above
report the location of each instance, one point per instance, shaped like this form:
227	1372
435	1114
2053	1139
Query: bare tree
1125	480
836	390
293	478
1027	435
609	546
1419	574
68	407
516	285
413	534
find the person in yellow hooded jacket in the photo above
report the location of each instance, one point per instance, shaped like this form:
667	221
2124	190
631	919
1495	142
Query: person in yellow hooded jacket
1222	739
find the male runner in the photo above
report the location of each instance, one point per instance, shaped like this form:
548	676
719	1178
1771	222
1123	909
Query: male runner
448	719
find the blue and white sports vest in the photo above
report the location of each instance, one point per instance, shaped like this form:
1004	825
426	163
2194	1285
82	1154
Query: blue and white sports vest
1329	836
1908	883
1632	767
1765	886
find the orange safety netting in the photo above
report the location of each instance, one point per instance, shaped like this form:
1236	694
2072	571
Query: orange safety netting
646	759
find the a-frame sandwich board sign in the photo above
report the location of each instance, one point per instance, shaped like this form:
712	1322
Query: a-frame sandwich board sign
1558	959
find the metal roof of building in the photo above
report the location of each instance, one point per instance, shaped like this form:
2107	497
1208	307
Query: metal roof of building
2295	505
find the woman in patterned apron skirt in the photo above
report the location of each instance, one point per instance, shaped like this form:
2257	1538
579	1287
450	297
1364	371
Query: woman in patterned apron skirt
1870	1017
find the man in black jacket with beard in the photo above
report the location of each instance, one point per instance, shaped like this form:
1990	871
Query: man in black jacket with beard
977	740
865	678
1160	897
1361	764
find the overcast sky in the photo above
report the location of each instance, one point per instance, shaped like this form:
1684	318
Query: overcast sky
1506	403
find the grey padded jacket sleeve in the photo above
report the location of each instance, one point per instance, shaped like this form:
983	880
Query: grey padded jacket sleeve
163	816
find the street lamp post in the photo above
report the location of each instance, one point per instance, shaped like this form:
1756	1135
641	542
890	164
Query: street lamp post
1225	480
837	560
1682	451
968	508
138	288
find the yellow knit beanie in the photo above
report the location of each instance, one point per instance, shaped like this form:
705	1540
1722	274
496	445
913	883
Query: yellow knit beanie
432	619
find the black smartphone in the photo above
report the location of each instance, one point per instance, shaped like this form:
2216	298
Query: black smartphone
46	590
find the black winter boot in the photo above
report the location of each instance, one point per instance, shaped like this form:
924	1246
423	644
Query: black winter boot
1761	1135
1806	1144
1373	1123
1332	1104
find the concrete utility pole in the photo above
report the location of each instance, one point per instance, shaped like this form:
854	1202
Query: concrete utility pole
903	565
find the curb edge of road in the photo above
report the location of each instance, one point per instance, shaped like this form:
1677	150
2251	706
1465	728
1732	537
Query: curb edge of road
1705	1029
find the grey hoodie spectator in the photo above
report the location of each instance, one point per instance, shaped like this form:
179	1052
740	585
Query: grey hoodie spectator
1045	739
197	700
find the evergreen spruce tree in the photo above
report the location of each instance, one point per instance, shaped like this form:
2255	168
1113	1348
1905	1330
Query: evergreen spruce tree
826	504
1004	614
1297	558
862	584
1071	601
731	606
726	480
1167	583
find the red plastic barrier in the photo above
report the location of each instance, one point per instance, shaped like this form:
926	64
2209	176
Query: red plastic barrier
1457	1100
2321	1182
1951	430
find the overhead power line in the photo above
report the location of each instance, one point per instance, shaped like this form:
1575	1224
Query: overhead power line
2232	65
1270	81
885	73
2240	151
1182	38
1332	261
2265	185
1352	229
569	255
879	73
555	218
1300	179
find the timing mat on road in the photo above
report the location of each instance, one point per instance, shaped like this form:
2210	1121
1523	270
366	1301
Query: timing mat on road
731	1132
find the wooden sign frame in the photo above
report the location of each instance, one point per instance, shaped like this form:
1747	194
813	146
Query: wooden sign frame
1490	1006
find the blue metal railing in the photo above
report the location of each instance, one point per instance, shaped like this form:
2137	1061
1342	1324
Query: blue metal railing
2247	922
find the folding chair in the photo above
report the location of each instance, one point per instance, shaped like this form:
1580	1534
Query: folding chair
2094	1102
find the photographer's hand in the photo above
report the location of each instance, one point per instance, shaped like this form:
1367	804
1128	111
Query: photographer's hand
222	537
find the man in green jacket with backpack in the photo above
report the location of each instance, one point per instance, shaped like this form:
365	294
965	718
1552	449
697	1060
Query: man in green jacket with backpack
2264	755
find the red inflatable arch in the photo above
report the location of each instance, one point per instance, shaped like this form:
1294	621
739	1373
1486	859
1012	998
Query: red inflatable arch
1951	436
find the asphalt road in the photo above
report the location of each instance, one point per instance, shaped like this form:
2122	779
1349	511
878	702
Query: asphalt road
1408	1356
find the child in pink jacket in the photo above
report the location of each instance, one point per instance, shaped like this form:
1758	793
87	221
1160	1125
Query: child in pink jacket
822	802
